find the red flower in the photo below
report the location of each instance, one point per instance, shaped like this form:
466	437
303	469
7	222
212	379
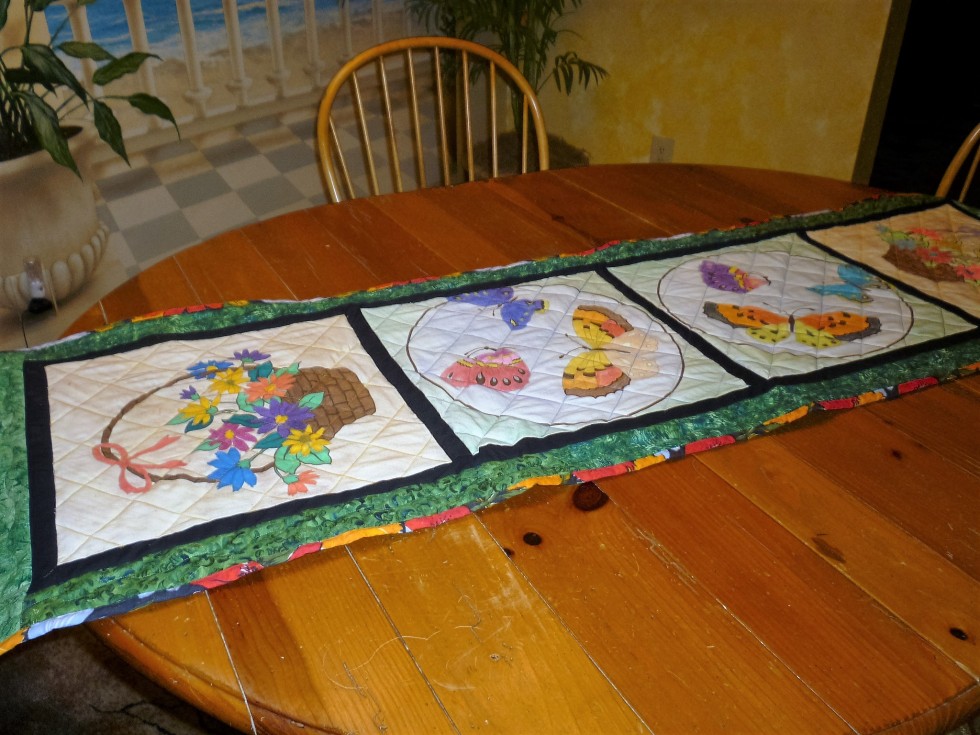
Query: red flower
933	255
302	482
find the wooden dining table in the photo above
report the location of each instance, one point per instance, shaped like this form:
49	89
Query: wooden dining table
820	579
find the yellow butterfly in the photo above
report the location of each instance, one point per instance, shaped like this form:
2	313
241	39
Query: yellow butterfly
592	374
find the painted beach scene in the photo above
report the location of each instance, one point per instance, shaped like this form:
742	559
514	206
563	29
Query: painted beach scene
342	27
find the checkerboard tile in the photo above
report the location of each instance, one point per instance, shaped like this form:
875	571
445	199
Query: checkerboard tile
186	191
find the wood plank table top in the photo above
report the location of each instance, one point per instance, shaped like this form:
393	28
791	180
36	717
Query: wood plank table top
821	579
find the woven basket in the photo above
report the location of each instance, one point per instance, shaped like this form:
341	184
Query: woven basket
345	399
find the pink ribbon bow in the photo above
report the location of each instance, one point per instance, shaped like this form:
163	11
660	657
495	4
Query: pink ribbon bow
126	462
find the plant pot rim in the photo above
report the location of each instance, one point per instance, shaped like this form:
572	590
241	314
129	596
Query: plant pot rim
80	138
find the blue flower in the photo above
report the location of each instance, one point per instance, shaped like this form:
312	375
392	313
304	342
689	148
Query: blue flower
231	470
189	392
250	356
208	369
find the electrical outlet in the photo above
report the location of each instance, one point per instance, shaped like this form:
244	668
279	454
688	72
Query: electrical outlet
661	150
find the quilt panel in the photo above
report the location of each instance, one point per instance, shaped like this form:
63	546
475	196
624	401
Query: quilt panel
174	452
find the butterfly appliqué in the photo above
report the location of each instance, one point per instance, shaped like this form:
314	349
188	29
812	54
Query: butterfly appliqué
501	369
854	284
729	277
816	330
593	374
516	313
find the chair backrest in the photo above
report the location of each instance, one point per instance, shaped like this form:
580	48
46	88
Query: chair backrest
423	70
971	144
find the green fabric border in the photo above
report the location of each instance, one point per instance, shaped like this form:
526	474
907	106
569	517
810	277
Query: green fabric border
273	541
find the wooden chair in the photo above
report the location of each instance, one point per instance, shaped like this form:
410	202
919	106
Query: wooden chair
375	99
971	144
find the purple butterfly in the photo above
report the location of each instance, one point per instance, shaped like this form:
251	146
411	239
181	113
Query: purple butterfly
729	277
515	312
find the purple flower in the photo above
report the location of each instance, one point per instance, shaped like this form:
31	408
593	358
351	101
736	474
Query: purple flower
190	392
231	471
233	435
281	417
208	369
250	356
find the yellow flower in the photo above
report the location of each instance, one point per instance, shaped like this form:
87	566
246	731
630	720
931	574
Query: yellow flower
305	442
229	381
198	413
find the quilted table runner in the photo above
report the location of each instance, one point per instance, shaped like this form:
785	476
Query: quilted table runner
174	452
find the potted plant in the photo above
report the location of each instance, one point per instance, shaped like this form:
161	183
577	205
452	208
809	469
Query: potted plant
524	32
48	212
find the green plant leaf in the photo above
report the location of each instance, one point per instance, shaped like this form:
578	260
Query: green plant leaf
23	77
120	67
48	131
245	419
109	129
191	426
81	50
311	400
150	105
321	457
286	462
270	441
207	446
41	60
261	371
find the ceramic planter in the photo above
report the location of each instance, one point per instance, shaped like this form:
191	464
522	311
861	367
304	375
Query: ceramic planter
47	213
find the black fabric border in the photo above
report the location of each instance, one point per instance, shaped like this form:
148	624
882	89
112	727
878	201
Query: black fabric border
46	571
690	336
40	473
409	392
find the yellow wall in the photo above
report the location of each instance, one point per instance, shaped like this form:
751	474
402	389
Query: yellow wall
781	84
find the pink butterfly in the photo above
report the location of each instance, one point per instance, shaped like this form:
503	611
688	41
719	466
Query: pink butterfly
501	369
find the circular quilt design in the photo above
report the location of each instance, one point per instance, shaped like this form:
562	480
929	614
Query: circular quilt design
780	302
551	355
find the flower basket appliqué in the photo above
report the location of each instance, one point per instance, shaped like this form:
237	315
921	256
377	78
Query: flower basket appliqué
253	417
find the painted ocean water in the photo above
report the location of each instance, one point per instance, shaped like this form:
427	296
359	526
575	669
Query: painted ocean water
107	20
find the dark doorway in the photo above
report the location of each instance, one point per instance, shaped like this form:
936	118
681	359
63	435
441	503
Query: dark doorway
934	100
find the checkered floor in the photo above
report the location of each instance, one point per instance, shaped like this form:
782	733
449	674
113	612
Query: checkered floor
192	190
185	192
181	194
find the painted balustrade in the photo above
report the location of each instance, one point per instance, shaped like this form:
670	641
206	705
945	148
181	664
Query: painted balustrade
197	103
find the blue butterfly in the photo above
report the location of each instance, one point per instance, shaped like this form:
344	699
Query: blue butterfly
855	283
516	313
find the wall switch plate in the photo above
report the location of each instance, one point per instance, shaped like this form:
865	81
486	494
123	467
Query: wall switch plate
661	150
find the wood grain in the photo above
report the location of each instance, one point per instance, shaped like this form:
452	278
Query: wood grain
315	639
933	499
917	584
668	645
484	639
823	579
178	644
828	631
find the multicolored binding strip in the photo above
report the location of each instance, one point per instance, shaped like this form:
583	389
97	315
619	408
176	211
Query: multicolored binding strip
178	451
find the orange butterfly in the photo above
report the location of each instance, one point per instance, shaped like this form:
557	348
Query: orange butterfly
815	330
592	374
